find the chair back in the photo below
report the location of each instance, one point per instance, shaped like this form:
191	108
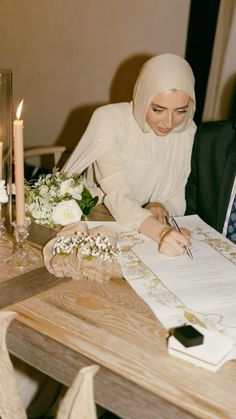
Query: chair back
54	150
10	403
41	160
78	402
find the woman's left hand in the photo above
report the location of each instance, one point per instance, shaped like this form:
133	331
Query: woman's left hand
158	211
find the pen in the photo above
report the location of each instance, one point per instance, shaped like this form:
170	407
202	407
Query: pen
188	251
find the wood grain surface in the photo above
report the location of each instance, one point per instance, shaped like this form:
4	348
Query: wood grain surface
26	285
109	325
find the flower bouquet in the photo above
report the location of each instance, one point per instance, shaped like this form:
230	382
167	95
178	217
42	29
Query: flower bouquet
81	252
56	198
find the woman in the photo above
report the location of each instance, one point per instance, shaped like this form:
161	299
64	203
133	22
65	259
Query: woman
140	151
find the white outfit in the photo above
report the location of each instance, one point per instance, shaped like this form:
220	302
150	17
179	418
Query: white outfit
141	167
133	165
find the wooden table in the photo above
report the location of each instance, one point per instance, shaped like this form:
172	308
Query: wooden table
70	324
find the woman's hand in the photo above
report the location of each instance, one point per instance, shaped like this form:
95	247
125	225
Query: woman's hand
173	243
169	240
158	211
186	232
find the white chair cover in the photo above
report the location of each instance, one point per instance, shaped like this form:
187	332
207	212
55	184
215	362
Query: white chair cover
78	402
10	402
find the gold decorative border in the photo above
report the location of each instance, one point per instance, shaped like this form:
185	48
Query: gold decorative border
135	269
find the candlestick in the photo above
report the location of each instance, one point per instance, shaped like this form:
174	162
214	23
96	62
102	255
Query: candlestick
24	256
19	166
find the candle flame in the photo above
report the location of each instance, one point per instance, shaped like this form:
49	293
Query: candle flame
19	109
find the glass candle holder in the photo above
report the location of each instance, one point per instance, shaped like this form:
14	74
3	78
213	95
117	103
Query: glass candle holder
6	243
24	256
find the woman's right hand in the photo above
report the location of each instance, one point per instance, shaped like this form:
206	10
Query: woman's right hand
174	243
169	240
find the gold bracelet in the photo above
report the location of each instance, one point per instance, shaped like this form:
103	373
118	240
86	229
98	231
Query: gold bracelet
166	230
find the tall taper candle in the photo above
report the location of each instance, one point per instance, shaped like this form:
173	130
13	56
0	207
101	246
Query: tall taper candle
19	166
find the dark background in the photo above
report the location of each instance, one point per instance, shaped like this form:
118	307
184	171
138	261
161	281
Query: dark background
199	47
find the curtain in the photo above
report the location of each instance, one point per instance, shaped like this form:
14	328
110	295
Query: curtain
214	108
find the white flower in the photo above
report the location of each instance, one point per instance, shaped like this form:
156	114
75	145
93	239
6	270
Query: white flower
65	187
66	212
44	190
48	199
76	192
3	193
89	246
68	187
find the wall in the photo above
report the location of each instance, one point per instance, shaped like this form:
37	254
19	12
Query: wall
69	56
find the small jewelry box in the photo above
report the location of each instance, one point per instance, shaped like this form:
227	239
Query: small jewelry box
188	335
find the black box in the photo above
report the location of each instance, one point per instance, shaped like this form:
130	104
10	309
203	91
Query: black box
188	335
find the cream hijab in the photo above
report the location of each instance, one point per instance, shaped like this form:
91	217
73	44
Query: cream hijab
163	72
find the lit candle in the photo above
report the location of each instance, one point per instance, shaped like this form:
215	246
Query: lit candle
19	167
1	152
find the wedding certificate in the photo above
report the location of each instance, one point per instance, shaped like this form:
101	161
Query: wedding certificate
177	289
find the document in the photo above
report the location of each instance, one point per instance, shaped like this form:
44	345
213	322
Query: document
179	290
206	284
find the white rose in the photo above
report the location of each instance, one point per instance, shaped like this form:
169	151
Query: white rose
67	187
66	212
3	193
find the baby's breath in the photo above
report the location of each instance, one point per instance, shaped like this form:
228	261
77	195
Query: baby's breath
64	245
90	246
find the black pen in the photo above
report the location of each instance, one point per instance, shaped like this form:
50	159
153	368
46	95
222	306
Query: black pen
188	251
